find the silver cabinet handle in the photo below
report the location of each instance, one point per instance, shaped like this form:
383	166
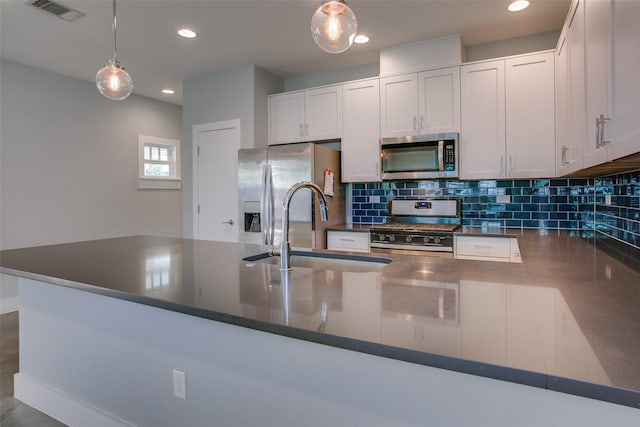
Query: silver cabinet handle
230	222
603	120
598	144
415	124
306	129
564	155
422	122
510	165
301	130
342	239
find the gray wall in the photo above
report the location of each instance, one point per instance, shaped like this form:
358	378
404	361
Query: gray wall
68	162
514	46
332	77
236	94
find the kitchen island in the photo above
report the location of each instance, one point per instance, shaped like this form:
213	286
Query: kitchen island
103	325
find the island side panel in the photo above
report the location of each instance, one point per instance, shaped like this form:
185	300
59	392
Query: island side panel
116	358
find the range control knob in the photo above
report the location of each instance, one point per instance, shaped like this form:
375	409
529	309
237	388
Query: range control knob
381	236
392	237
408	239
426	239
436	239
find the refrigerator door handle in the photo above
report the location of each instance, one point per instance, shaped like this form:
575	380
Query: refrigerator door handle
271	201
263	205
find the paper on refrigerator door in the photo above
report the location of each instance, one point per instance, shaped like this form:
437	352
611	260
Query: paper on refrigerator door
328	182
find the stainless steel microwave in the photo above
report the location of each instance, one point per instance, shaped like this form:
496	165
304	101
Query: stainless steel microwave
420	157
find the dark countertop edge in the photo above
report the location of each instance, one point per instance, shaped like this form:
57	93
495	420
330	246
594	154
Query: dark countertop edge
605	393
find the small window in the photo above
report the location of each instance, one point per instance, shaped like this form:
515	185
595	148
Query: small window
158	163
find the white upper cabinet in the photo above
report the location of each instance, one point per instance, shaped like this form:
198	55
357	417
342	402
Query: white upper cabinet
626	67
309	115
597	27
530	116
602	36
286	118
570	93
420	103
361	131
508	118
482	135
399	105
439	100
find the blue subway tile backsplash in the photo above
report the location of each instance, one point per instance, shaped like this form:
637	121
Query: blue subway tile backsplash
607	205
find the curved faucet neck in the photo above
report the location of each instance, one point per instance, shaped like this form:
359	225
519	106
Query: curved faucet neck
285	251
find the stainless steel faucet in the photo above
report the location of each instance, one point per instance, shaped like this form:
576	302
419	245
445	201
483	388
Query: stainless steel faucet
285	247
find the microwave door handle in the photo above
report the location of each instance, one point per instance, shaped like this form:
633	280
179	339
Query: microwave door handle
441	156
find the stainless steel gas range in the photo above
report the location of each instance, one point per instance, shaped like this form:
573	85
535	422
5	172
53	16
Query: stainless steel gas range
418	225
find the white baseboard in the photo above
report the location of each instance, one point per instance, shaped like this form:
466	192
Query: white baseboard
8	305
61	406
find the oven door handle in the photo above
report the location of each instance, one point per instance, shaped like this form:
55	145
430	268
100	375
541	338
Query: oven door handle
441	156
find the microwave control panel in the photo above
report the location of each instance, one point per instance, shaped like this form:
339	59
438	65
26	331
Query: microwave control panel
449	156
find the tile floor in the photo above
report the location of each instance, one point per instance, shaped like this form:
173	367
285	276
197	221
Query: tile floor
14	413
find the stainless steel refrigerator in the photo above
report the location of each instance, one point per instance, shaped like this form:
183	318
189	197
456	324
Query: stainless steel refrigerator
265	175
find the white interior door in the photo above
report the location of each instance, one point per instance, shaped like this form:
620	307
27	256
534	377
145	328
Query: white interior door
215	180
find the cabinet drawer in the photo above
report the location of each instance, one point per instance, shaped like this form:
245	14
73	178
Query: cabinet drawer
483	247
352	241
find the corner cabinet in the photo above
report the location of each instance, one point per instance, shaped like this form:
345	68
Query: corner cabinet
361	131
310	115
420	103
508	118
570	93
599	44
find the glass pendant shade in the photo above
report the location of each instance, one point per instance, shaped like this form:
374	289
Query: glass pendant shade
113	81
334	26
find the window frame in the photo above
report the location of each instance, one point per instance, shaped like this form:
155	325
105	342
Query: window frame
171	182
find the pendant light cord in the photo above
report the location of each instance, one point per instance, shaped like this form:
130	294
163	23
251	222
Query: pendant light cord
114	32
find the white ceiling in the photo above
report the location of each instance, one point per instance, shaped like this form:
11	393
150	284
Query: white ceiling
273	34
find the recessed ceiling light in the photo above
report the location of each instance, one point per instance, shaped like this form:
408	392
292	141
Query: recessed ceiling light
361	38
168	91
518	5
187	33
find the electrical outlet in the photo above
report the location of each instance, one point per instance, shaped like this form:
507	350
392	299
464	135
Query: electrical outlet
179	384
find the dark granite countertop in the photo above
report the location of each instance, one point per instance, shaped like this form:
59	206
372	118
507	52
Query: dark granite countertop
364	228
566	319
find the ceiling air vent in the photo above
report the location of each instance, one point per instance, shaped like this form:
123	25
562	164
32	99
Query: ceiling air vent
56	9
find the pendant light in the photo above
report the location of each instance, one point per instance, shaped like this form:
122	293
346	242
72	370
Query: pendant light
112	80
334	26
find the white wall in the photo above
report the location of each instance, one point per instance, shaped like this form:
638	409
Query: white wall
68	162
236	94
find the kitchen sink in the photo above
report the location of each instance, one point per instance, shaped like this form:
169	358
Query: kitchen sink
325	261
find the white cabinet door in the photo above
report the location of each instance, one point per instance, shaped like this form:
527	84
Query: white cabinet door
482	135
627	89
361	131
286	118
570	94
530	116
598	71
323	113
439	100
399	105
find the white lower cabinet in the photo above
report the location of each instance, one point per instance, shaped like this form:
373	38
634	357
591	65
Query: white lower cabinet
487	248
350	241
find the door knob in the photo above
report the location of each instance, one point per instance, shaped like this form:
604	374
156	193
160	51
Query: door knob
230	222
